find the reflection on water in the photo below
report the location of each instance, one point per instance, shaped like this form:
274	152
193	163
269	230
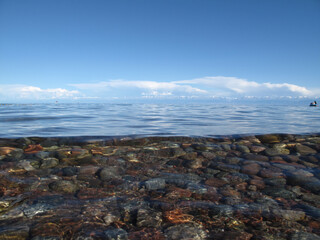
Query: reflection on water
97	119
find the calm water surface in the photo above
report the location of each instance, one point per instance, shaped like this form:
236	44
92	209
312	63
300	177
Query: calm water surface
192	119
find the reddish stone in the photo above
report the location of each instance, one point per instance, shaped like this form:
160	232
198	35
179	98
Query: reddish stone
237	236
175	192
33	149
88	170
314	224
251	169
6	150
215	182
259	183
257	149
230	193
147	233
241	186
89	193
270	173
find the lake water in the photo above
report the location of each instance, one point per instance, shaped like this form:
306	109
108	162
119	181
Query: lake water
172	119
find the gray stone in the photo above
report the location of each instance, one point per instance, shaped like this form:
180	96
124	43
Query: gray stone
279	192
147	217
49	162
111	217
116	234
289	215
304	236
311	211
197	188
63	186
305	150
243	149
26	165
186	231
36	209
20	232
156	183
109	173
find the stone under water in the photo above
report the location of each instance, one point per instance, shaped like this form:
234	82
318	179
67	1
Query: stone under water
229	187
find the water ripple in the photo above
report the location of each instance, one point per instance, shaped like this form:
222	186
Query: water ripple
155	119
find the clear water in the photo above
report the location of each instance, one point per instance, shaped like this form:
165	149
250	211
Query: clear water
176	119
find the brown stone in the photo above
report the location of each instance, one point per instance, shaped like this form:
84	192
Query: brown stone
90	193
215	182
270	173
259	183
88	170
6	150
257	149
250	169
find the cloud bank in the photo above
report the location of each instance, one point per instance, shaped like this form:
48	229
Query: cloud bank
200	87
25	92
206	87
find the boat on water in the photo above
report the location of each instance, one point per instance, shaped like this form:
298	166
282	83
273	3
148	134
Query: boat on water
313	104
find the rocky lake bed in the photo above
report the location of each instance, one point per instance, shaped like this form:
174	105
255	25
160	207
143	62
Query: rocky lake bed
229	187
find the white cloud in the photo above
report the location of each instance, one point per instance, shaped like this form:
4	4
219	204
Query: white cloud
242	87
218	86
141	88
17	92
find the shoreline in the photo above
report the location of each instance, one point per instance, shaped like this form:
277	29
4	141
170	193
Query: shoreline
161	187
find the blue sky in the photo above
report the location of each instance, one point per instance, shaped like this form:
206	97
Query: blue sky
104	49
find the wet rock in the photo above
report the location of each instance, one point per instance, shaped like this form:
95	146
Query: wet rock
226	167
194	164
271	173
42	154
92	193
208	155
257	149
111	218
46	238
109	173
180	180
268	138
186	231
116	234
259	183
63	186
289	215
154	184
276	181
26	165
88	170
170	152
222	210
69	171
147	217
14	232
243	149
277	150
251	169
215	182
12	214
199	147
49	163
196	188
304	150
309	197
310	210
279	192
36	209
255	157
304	236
